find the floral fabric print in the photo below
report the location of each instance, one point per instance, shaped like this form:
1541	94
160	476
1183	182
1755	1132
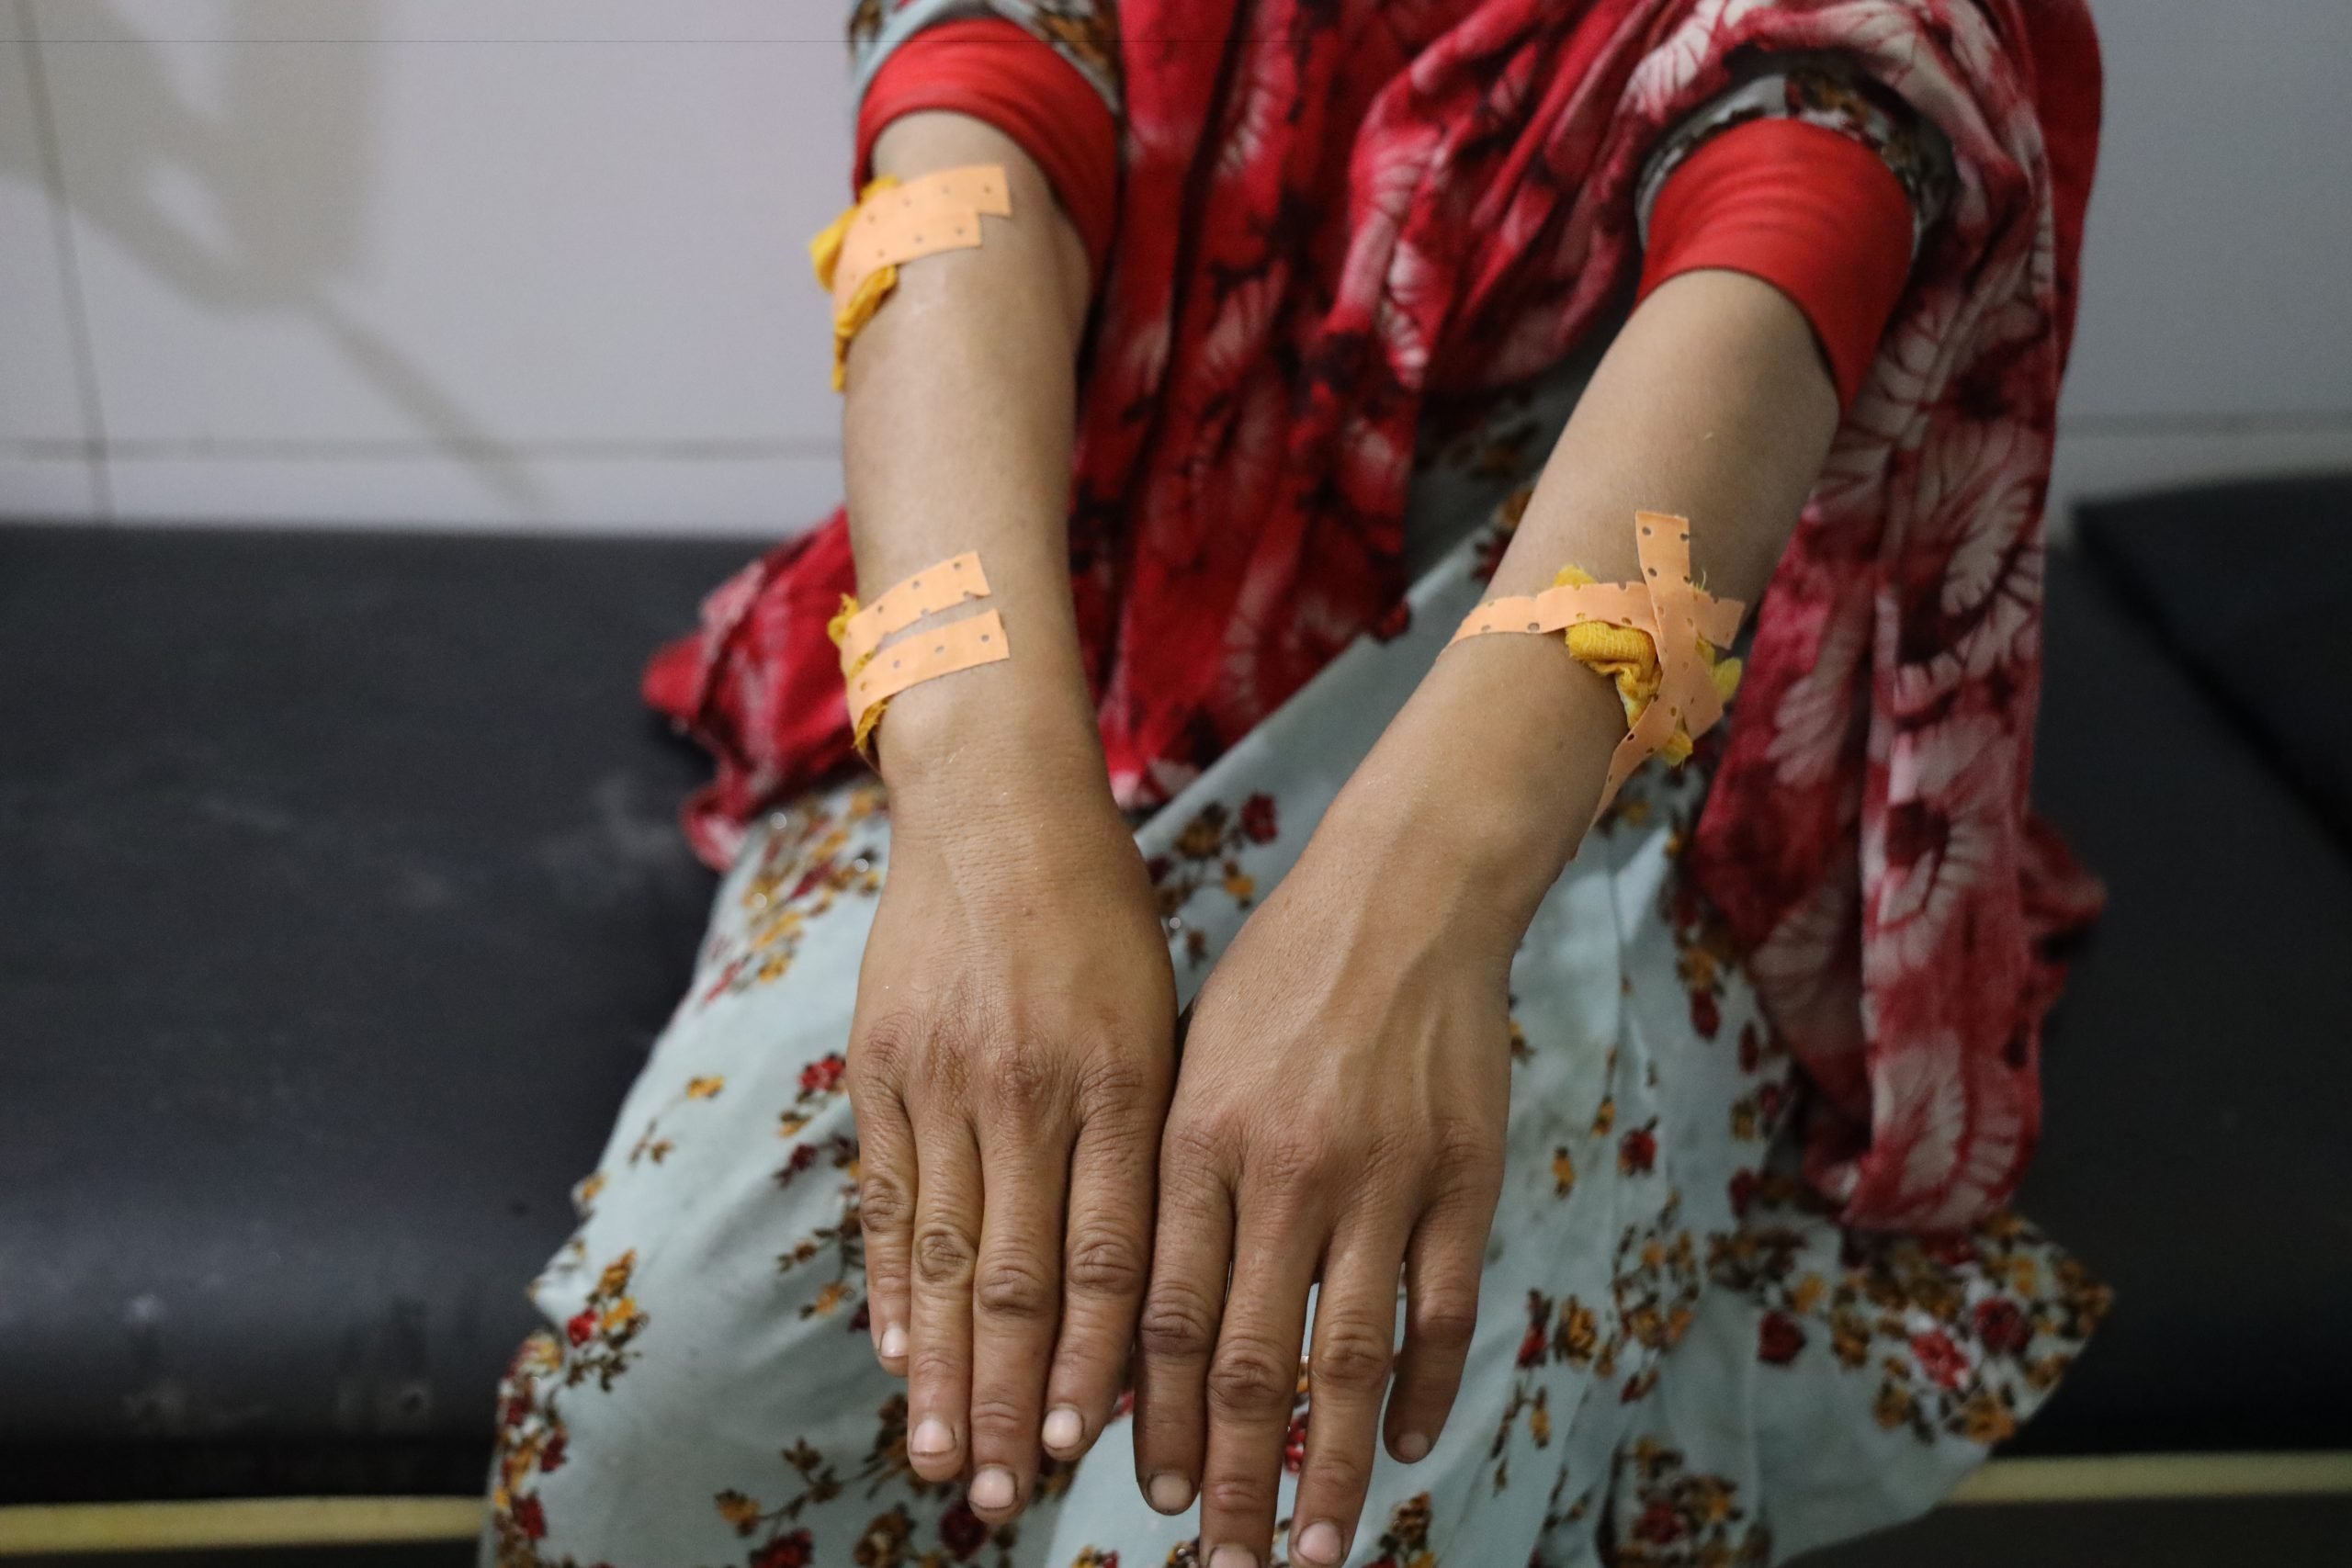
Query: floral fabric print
1085	32
1829	91
1681	1356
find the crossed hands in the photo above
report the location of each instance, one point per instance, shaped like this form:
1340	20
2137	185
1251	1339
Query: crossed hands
1043	1191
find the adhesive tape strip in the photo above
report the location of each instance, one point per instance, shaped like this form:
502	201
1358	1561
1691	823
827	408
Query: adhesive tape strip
935	588
1668	606
942	650
1687	698
938	212
1555	609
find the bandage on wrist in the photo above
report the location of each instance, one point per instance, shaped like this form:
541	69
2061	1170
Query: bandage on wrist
874	672
1658	640
858	255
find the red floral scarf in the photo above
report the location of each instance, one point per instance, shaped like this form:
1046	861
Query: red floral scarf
1388	202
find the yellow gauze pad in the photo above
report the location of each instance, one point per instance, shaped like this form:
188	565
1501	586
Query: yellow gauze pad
922	217
1673	611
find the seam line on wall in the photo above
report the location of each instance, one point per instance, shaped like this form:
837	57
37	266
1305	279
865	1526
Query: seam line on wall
69	264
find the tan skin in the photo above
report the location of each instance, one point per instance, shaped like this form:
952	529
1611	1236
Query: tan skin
1041	1189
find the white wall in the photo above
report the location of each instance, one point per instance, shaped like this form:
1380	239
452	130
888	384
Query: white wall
539	261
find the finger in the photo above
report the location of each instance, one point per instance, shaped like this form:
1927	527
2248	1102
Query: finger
1192	1251
1104	1259
938	1328
1253	1377
1016	1295
885	1196
1442	1269
1352	1348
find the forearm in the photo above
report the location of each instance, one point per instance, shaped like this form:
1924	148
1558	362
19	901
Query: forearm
957	429
1713	404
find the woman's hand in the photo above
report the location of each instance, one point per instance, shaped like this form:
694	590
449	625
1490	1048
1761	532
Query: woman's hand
1340	1113
1009	1067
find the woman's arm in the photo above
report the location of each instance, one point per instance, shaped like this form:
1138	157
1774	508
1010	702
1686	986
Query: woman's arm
1015	1005
1342	1109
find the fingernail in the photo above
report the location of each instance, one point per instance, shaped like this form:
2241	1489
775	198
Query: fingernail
932	1438
1319	1542
992	1489
1232	1556
1065	1428
894	1342
1411	1446
1170	1492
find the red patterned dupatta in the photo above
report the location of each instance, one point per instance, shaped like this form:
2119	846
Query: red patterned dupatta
1336	209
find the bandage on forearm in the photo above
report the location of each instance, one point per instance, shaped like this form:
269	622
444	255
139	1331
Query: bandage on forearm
876	669
857	256
1656	639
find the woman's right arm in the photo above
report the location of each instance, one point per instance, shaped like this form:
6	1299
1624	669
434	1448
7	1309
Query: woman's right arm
1016	1007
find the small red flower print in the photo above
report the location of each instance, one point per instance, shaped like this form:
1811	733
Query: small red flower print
1940	1358
1531	1349
582	1327
822	1075
1743	1192
529	1518
1778	1340
960	1529
1394	624
1637	1151
1258	819
2002	1326
1294	1444
794	1551
1659	1525
1706	1016
1751	1048
551	1456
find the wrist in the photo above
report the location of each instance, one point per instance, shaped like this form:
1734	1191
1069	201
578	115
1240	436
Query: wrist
1487	779
987	740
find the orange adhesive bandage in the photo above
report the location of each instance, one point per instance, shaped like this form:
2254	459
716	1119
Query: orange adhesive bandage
1673	696
875	673
857	256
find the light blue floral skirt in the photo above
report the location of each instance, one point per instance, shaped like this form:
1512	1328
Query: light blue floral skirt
1681	1358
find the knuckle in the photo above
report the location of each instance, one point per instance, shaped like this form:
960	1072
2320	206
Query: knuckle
1105	1263
881	1049
1022	1079
1340	1476
1176	1324
1232	1494
1291	1164
934	1366
1113	1082
1249	1377
1193	1143
1351	1356
997	1422
1445	1320
1014	1287
882	1203
942	1254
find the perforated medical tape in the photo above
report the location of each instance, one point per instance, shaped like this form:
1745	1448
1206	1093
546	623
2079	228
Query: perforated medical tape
928	591
1673	611
942	650
922	217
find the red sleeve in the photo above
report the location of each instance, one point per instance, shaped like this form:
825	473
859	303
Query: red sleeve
1814	213
995	71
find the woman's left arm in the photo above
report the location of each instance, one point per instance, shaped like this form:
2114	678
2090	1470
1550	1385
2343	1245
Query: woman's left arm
1339	1113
